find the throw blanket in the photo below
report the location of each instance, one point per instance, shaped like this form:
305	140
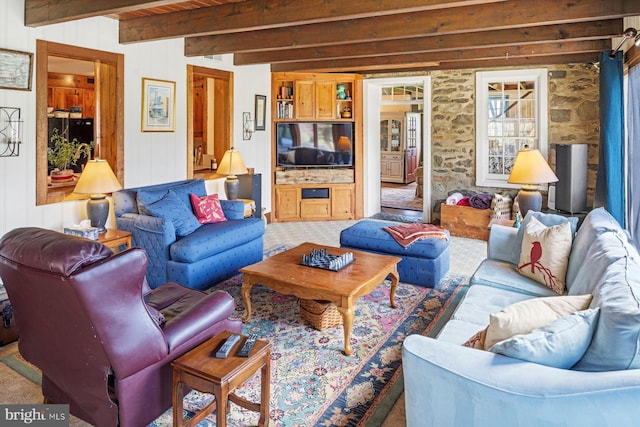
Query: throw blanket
406	234
454	198
481	201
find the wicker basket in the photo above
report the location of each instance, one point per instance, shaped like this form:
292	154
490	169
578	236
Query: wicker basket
320	314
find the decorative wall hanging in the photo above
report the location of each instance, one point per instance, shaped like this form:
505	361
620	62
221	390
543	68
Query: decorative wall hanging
158	105
15	69
10	132
261	111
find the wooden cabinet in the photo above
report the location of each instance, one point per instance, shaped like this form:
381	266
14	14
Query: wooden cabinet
66	91
336	201
400	137
309	96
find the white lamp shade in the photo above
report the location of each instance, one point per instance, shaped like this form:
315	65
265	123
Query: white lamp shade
232	164
531	168
97	178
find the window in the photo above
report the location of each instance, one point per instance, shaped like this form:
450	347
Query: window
511	112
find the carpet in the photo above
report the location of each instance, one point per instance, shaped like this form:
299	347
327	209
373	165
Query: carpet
312	382
400	198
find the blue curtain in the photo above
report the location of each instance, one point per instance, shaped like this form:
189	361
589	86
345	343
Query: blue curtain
633	154
610	186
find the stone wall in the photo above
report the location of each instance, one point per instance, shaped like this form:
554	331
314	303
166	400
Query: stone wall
573	95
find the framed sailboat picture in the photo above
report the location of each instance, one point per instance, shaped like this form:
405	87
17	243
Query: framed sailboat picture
158	105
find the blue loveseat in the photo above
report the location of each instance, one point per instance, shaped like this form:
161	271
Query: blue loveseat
200	259
447	384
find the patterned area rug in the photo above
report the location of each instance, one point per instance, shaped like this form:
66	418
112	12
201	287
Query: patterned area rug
312	382
400	198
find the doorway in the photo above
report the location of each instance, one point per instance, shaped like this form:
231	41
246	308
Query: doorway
209	118
398	152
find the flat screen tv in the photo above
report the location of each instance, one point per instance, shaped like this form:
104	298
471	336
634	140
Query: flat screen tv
314	144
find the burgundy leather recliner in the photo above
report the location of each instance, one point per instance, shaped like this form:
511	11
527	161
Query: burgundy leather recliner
102	339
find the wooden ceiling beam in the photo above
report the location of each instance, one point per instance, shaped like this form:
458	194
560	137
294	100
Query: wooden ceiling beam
512	14
460	55
264	14
528	61
515	36
45	12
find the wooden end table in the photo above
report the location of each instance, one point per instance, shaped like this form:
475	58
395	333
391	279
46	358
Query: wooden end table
199	369
283	273
114	239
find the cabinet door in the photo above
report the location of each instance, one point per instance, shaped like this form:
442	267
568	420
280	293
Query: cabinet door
304	94
342	202
325	100
89	104
384	135
287	203
396	135
314	209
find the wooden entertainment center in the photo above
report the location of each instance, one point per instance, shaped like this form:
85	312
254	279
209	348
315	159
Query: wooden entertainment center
317	193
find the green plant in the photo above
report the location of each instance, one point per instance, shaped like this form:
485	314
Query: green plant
65	153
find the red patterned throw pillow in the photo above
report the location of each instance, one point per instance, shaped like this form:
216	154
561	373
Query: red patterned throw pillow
207	208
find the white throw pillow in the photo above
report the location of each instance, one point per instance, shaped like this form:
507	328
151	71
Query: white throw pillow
545	254
525	316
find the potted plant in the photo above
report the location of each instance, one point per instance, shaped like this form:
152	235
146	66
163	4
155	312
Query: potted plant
64	154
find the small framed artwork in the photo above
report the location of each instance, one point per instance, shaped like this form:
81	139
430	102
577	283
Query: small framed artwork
261	111
158	105
15	69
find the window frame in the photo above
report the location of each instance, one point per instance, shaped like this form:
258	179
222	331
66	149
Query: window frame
483	78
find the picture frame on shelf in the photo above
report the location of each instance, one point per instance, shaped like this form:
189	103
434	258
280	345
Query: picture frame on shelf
158	105
16	69
261	111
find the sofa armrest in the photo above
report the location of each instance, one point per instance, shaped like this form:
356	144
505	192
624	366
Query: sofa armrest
233	209
502	242
452	385
155	236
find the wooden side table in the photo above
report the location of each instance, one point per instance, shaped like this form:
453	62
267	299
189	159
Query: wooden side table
115	239
249	207
199	369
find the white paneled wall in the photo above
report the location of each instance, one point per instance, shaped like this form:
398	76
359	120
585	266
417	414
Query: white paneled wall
150	157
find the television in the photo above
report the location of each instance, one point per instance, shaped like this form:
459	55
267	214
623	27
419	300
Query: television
314	144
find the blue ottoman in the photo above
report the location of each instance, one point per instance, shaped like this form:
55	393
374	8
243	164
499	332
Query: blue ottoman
423	263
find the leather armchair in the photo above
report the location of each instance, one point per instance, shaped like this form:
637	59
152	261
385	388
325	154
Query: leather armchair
102	338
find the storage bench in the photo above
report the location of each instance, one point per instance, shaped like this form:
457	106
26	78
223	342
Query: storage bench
423	263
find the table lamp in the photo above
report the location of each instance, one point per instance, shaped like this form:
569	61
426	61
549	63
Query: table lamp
96	179
531	170
232	165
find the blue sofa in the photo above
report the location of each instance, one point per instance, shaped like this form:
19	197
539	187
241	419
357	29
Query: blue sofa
447	384
200	259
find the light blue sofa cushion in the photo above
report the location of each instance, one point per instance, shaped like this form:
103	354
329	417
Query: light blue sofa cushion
171	208
559	344
546	219
503	275
212	239
616	341
597	222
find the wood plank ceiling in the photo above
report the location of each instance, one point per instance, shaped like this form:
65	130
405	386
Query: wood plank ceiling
366	36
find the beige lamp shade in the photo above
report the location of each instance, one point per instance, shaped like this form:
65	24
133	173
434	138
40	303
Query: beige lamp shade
97	178
232	164
531	168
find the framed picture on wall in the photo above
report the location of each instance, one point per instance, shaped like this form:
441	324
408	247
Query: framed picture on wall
158	105
15	69
261	107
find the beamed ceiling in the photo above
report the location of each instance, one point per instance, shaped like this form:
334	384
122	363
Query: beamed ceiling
366	36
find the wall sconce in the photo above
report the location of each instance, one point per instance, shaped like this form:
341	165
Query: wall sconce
247	126
10	132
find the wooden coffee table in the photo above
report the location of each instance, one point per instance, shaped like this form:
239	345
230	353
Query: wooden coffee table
284	274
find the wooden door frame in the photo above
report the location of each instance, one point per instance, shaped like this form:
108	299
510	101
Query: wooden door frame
215	74
44	49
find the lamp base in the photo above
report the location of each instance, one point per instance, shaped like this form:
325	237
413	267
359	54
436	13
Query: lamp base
232	187
529	199
98	211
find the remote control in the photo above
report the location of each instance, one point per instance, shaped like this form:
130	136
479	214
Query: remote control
248	346
225	349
